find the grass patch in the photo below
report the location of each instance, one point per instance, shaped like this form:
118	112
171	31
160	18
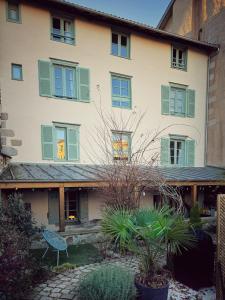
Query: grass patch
79	255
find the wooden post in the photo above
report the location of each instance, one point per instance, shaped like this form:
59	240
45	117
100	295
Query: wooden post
194	194
61	209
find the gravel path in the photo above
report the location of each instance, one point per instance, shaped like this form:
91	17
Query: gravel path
65	285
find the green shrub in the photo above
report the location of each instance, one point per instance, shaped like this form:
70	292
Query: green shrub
64	267
195	219
108	283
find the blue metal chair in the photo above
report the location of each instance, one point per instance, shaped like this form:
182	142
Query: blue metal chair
56	242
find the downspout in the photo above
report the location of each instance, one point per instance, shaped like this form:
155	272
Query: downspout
206	114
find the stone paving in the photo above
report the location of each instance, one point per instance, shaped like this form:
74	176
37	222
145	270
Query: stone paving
65	285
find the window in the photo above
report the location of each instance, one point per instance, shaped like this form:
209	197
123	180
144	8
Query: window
121	92
177	100
120	45
60	142
63	79
177	151
13	12
179	58
121	143
72	206
17	72
62	30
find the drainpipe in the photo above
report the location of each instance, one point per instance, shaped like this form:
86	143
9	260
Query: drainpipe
206	114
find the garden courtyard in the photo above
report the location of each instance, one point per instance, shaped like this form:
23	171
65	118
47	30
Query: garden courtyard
64	284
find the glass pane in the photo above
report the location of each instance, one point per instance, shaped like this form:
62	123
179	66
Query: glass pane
70	83
68	34
180	101
16	72
116	87
13	14
114	44
124	51
61	143
172	152
180	153
56	29
123	41
58	81
124	93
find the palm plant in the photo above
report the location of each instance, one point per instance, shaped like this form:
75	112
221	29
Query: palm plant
148	233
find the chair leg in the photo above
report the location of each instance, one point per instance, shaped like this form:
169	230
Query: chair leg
67	253
45	252
57	258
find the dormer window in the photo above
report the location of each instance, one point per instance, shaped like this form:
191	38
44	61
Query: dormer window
62	30
179	58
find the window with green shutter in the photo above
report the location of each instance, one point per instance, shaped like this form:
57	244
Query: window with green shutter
60	142
177	151
121	91
62	30
64	80
177	100
13	11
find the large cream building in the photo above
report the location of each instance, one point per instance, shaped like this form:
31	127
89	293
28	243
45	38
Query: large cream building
61	63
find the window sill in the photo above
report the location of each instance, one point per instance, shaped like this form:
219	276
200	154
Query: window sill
66	99
14	21
179	69
121	107
58	41
128	58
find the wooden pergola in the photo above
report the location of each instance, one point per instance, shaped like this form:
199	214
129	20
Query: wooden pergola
19	185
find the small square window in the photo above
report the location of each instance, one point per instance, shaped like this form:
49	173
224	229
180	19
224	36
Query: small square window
13	12
120	45
179	58
62	30
17	72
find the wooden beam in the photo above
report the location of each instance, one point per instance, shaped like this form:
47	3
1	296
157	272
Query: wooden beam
194	194
61	209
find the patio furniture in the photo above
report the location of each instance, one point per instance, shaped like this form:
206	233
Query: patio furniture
57	242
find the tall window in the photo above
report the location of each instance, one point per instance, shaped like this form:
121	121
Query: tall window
177	101
64	81
121	143
60	142
177	152
62	30
13	11
179	58
121	91
72	206
120	45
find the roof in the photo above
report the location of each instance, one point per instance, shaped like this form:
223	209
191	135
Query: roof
113	20
166	15
31	172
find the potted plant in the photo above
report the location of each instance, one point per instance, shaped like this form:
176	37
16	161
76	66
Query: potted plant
149	234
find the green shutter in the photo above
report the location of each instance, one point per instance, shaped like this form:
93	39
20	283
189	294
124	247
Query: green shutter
164	155
190	153
44	70
47	142
165	100
53	207
73	143
83	84
191	103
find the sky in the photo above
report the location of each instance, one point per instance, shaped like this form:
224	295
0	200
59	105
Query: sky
145	11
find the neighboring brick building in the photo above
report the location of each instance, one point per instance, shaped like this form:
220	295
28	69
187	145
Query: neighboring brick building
204	20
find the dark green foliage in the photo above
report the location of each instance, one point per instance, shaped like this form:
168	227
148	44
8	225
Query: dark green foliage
18	269
108	283
195	219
